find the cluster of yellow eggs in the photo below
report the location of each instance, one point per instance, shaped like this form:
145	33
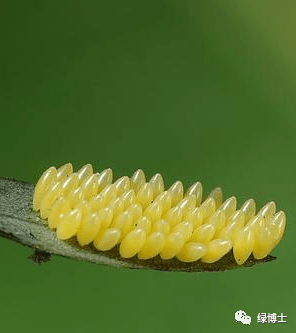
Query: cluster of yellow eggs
146	220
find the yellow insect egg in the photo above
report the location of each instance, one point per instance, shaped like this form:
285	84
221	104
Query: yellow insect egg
60	206
69	224
133	242
49	198
128	197
192	251
104	178
176	191
164	199
48	178
243	244
195	216
277	225
107	239
152	246
217	195
123	221
196	190
173	244
153	211
138	179
64	172
135	210
69	184
157	184
89	228
139	218
249	210
144	223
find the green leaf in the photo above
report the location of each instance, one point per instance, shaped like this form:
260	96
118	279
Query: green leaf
20	223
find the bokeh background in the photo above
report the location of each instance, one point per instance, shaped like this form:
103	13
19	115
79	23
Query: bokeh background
195	90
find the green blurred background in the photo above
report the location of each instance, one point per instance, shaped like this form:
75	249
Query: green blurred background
195	90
